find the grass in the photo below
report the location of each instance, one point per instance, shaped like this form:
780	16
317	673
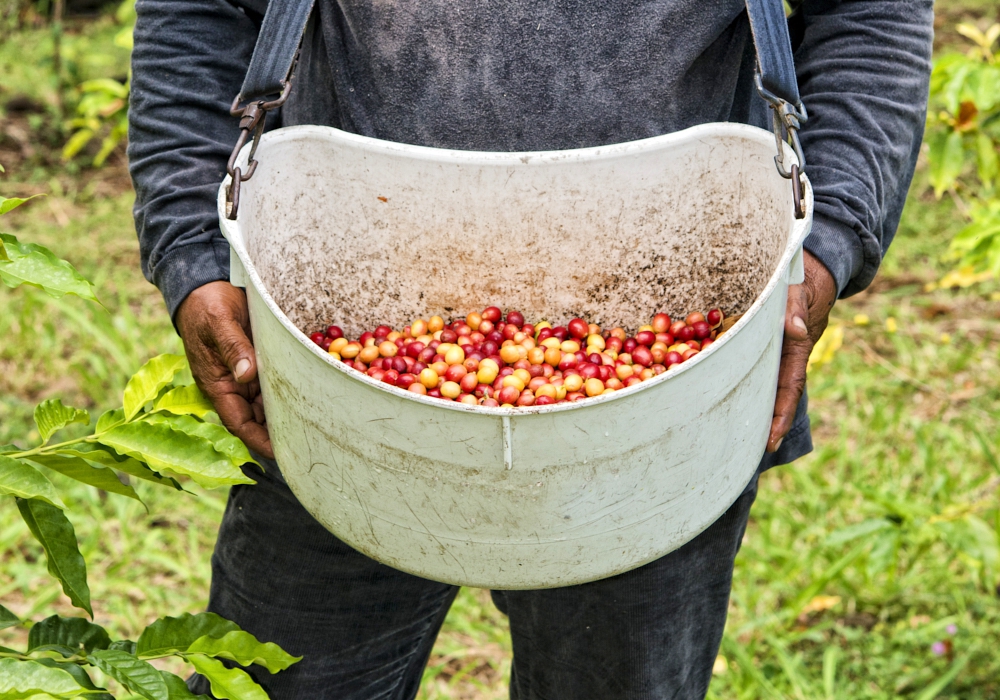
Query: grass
858	557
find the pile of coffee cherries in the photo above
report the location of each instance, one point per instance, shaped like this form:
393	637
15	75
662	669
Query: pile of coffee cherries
489	359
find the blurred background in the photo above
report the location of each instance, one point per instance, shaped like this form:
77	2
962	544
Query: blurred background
871	568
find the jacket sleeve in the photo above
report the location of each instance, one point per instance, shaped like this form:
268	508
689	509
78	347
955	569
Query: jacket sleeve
863	68
188	63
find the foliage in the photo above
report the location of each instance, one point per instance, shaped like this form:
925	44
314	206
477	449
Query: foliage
964	143
159	435
103	105
62	654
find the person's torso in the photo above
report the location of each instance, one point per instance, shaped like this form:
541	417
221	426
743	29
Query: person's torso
522	75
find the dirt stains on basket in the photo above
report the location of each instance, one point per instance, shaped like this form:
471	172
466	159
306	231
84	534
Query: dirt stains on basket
569	250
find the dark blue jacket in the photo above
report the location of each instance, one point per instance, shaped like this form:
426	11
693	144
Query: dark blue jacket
531	75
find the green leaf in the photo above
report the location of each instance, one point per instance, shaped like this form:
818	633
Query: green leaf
7	618
853	532
169	635
22	679
52	415
223	441
37	266
147	382
80	470
79	674
185	401
166	449
946	158
135	674
110	419
76	143
3	253
72	632
883	552
101	456
227	683
7	205
178	688
987	159
243	648
20	479
126	645
56	534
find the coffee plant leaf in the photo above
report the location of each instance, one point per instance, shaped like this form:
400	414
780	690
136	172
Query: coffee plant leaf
37	266
11	203
243	648
75	633
227	683
170	635
110	419
80	470
178	688
101	456
224	441
7	618
79	674
147	382
135	674
126	645
52	415
20	479
946	157
166	449
987	159
184	401
27	678
3	253
55	532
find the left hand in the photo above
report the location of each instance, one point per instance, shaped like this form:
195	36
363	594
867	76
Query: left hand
806	316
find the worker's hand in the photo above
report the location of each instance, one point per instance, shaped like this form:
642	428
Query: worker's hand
806	316
214	324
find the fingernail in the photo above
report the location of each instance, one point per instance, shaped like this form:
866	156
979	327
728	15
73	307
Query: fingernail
800	324
241	368
777	445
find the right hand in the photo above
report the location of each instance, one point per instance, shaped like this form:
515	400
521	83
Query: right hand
214	323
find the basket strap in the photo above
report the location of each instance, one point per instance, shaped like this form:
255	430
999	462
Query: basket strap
277	45
777	84
774	49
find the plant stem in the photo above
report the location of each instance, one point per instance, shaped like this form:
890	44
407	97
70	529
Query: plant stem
42	449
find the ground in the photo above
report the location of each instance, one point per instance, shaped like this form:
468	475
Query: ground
858	558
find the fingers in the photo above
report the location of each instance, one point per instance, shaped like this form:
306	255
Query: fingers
234	348
795	350
797	313
214	324
242	420
791	384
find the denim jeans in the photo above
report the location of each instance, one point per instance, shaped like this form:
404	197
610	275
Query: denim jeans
365	630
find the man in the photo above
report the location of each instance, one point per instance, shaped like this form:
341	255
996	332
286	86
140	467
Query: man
515	75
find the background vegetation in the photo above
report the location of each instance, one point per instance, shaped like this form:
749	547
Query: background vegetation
870	568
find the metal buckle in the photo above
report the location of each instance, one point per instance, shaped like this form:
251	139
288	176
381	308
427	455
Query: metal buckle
786	119
252	117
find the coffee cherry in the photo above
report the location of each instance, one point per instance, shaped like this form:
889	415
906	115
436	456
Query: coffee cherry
578	328
483	360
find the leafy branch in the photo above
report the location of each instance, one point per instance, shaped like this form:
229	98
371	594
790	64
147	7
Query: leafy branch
163	431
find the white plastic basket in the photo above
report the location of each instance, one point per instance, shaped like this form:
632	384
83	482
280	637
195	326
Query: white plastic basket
336	227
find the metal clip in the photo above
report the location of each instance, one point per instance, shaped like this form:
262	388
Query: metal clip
252	117
786	119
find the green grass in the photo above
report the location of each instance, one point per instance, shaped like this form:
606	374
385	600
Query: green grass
907	442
